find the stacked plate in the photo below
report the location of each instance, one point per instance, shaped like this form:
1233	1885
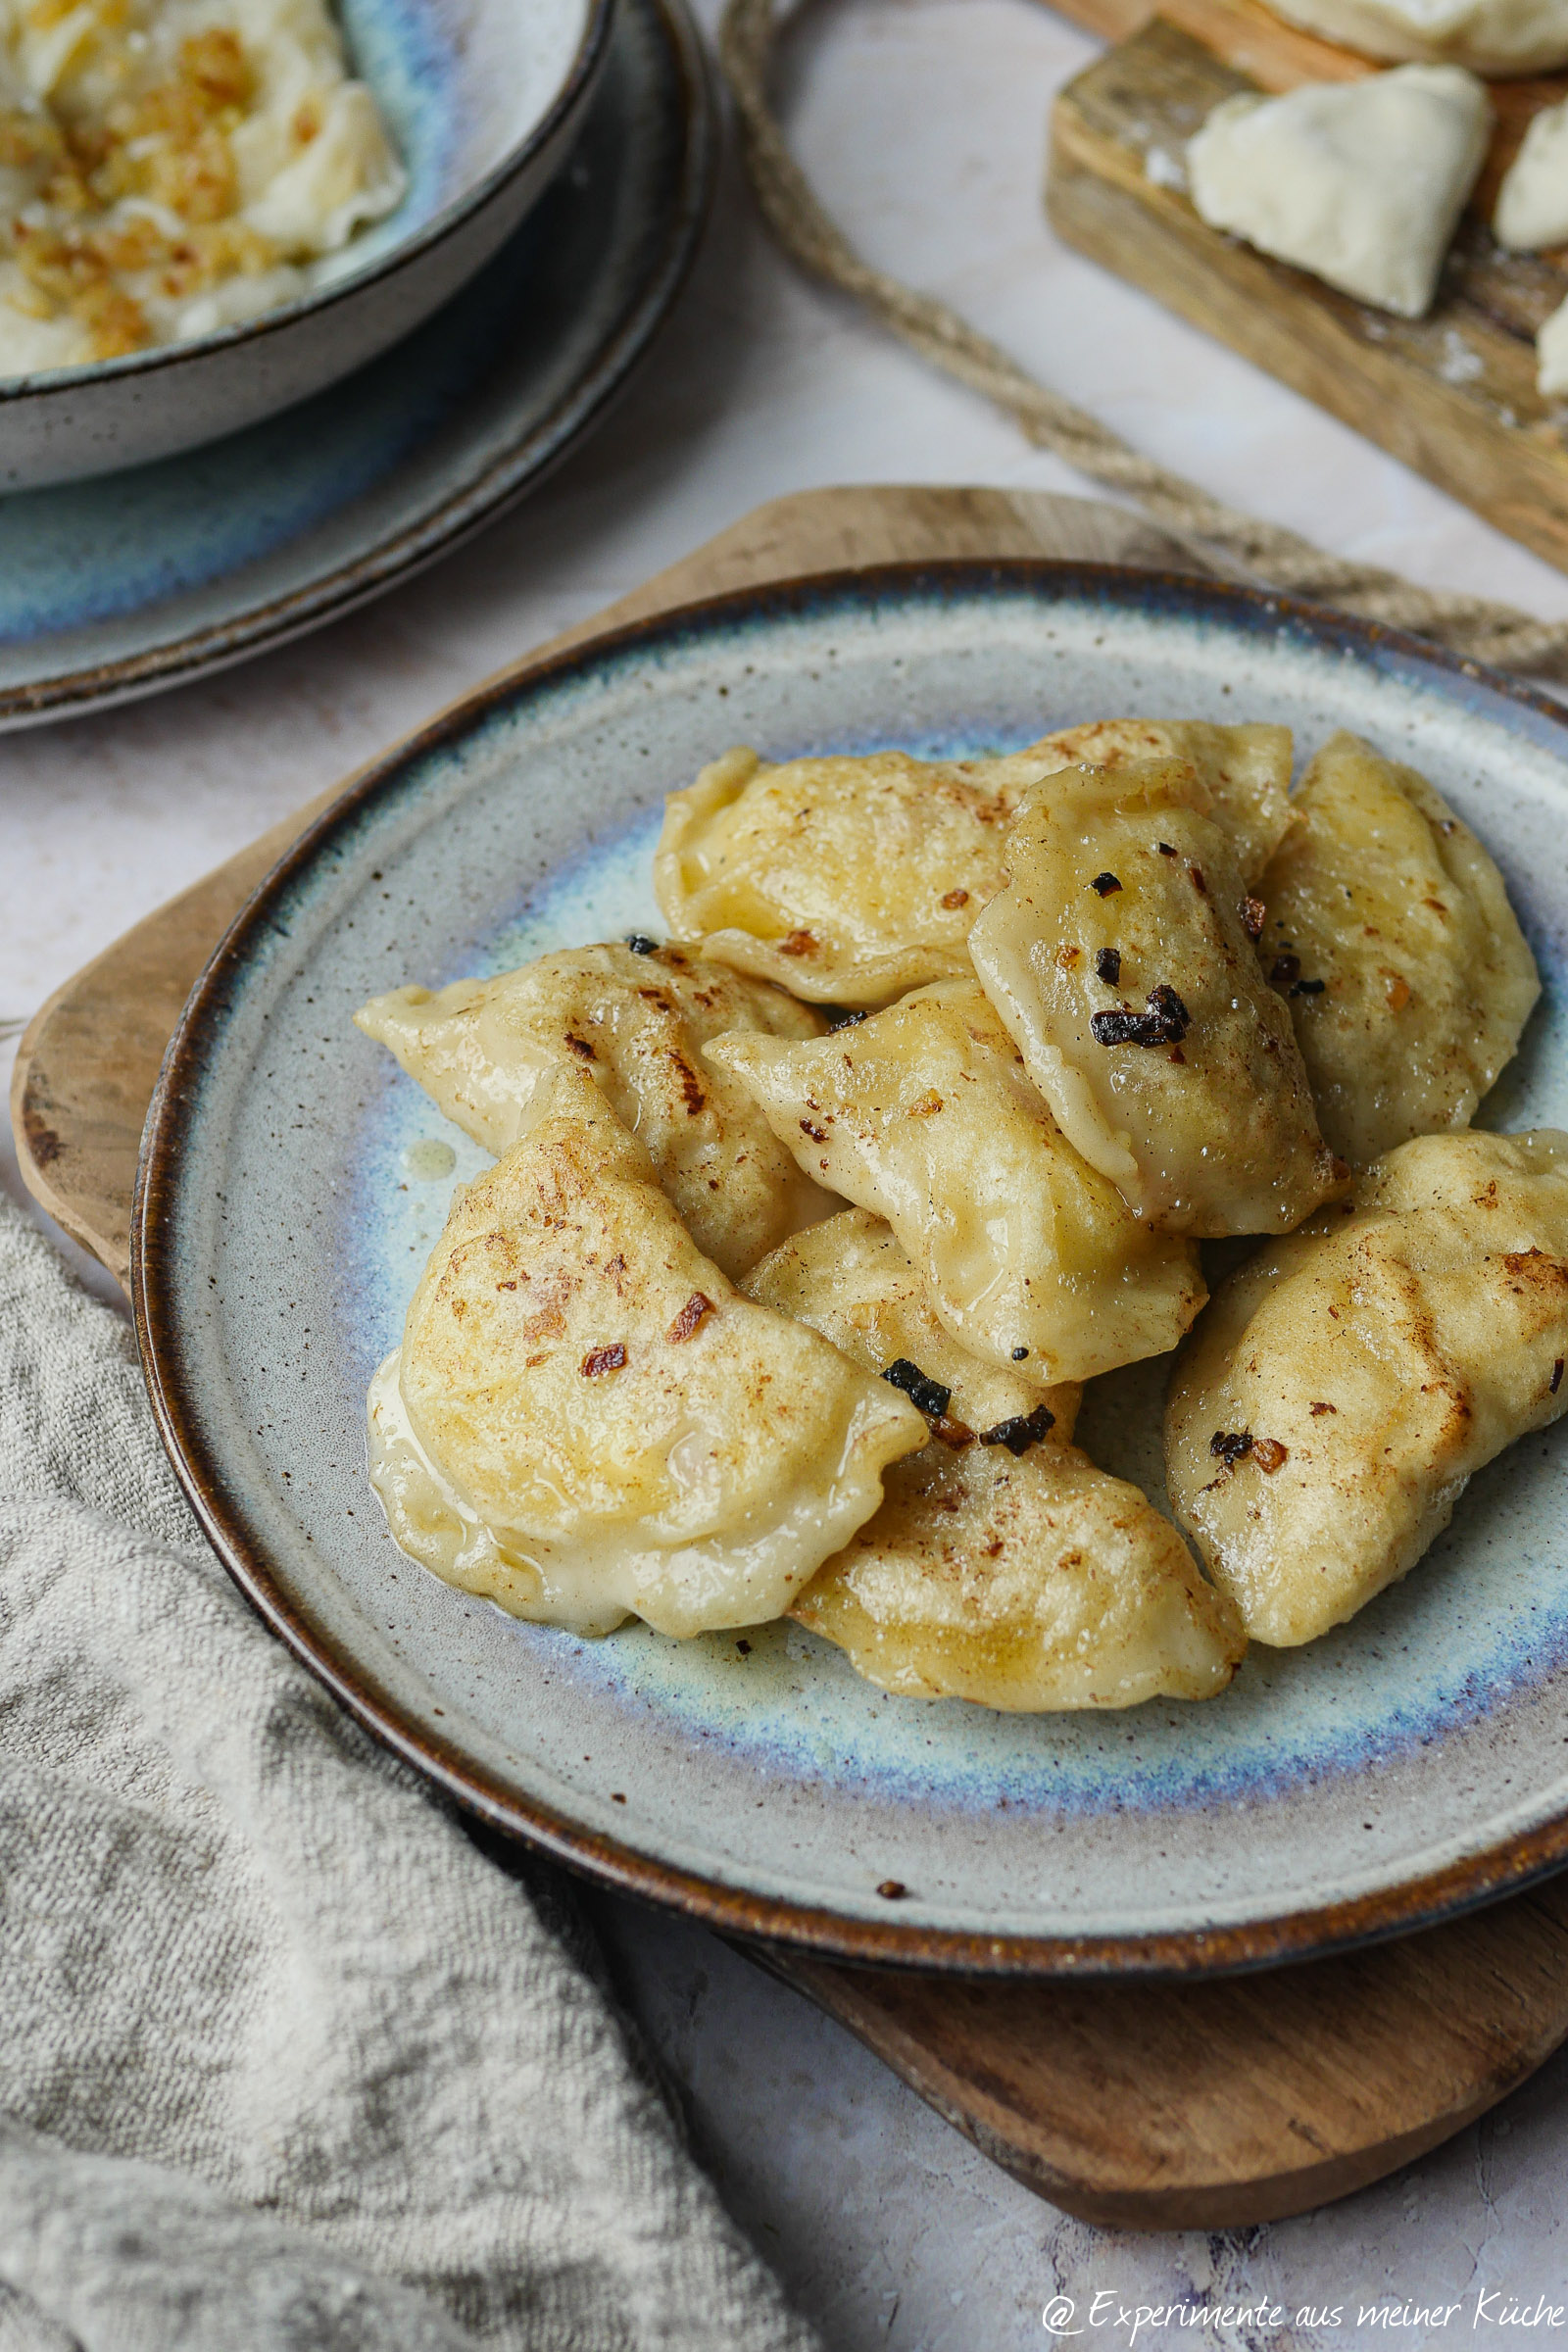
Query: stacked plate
590	214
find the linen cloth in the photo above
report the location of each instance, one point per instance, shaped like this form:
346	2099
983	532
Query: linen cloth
286	2063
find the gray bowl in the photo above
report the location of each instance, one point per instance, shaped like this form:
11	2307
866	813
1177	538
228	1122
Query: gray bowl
483	98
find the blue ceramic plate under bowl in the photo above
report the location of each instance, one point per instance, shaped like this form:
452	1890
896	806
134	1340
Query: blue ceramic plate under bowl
134	581
1412	1763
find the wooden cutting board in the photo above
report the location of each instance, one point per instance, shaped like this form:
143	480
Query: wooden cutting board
1146	2106
1453	394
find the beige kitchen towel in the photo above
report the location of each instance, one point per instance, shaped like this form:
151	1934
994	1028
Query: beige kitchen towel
288	2064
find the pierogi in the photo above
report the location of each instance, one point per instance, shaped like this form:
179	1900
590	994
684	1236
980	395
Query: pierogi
851	1279
1030	1583
923	1114
1245	769
845	880
586	1420
1390	932
1120	955
851	880
1346	1383
1002	1567
1016	1010
635	1018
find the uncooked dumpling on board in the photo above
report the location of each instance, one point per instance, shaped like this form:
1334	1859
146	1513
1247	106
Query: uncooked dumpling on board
1120	955
1247	770
587	1421
1390	934
1551	354
1496	37
1032	1583
1346	1383
1531	207
1002	1567
922	1114
848	880
635	1017
1361	182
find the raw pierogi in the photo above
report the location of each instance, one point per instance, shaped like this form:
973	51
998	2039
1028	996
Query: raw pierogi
1245	769
589	1421
635	1018
845	880
1120	955
923	1114
1390	932
1346	1383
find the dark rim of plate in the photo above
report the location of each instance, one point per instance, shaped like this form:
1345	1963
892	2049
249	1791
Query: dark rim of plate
544	443
1463	1885
587	58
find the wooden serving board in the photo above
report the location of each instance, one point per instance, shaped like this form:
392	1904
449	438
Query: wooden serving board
1146	2106
1452	395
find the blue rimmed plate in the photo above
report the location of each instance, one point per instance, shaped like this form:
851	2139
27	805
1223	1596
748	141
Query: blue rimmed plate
118	586
1413	1762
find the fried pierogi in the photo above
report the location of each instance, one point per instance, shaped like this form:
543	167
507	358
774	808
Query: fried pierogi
1247	770
1346	1383
1390	933
923	1114
588	1421
851	1279
1002	1567
1029	1584
848	881
1120	955
635	1018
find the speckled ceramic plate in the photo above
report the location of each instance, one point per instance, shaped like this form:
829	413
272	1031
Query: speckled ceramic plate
134	581
1412	1763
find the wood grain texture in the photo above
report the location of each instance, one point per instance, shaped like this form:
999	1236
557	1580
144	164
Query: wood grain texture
1218	2105
1152	2106
1243	33
1451	395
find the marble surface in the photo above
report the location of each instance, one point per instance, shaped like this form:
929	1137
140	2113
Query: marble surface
924	123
